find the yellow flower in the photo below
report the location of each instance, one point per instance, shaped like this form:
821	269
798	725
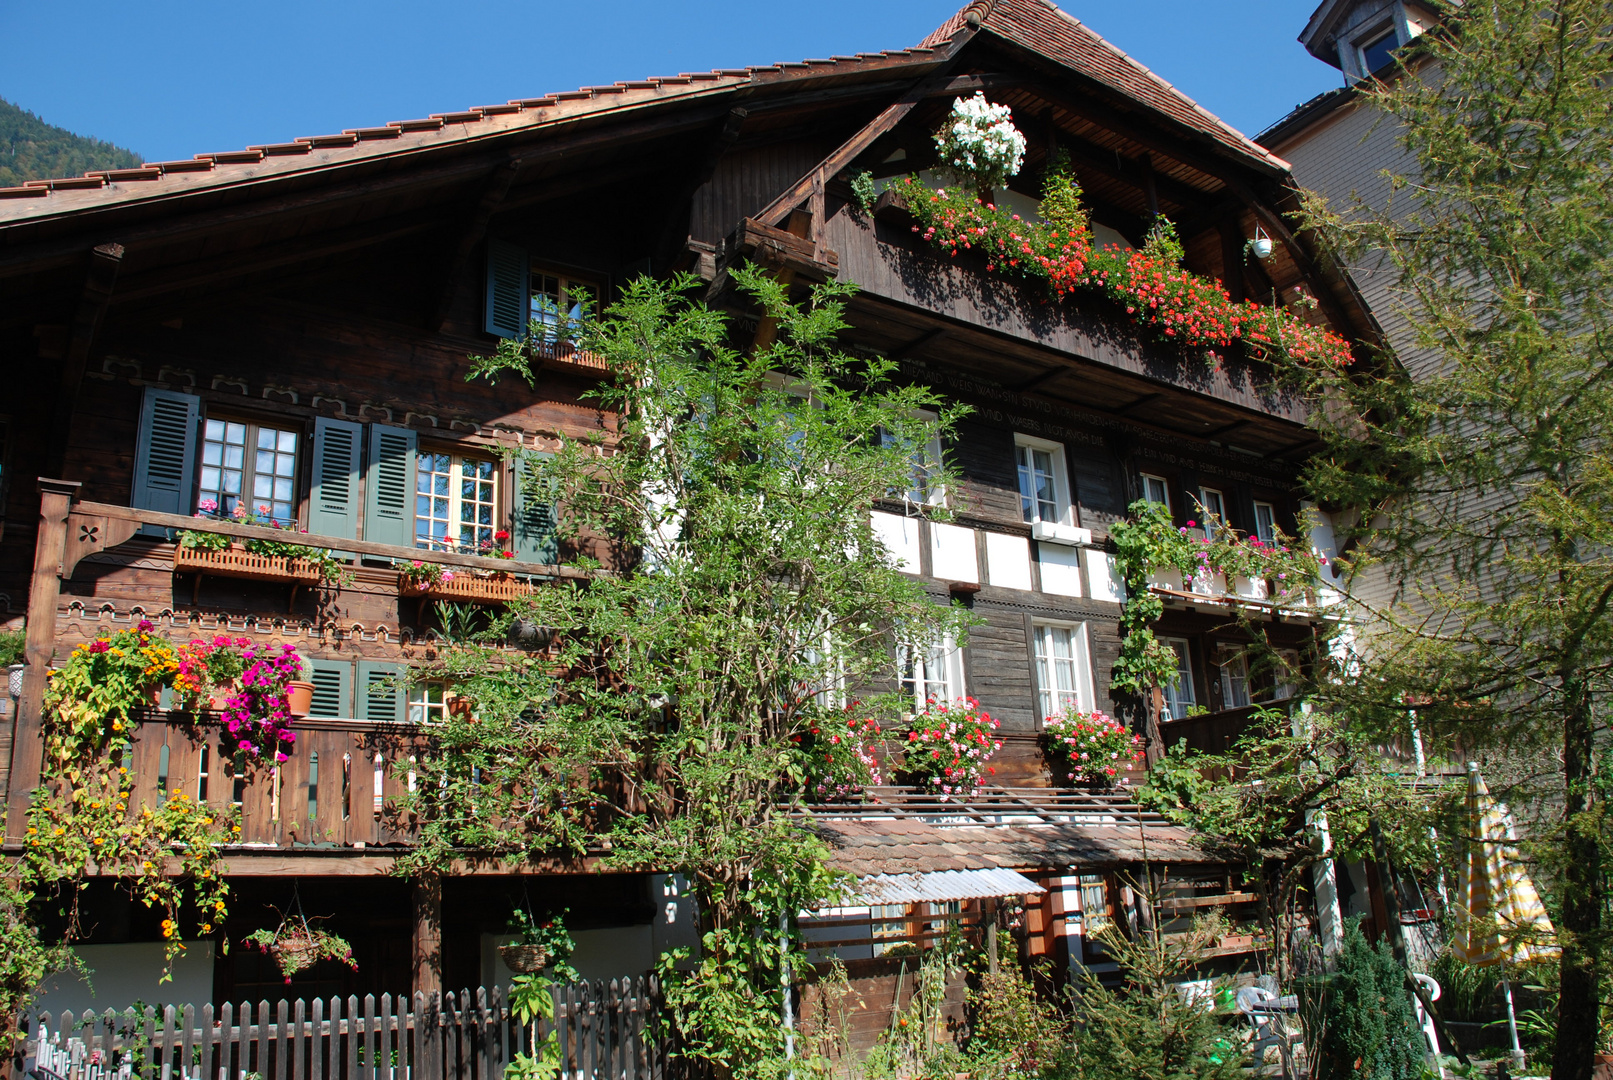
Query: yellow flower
121	769
166	923
97	840
32	830
60	831
233	828
218	905
207	928
146	864
117	725
207	821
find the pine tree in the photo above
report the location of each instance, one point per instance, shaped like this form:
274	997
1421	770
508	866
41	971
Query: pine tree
1367	1028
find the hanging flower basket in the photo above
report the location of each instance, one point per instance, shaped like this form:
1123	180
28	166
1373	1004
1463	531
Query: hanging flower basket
296	946
524	959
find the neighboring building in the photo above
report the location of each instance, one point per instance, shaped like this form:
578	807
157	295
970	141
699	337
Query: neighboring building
291	323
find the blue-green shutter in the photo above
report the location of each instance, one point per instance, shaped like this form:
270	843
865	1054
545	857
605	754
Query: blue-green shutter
508	305
389	486
333	502
532	526
165	453
382	692
333	689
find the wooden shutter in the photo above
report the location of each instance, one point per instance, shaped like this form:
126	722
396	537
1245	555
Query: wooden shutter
508	304
165	454
532	525
333	502
333	689
382	693
389	486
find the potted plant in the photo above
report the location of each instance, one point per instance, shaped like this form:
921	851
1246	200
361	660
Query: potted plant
92	700
296	946
257	718
1090	748
949	746
431	580
255	560
210	670
539	943
837	756
300	690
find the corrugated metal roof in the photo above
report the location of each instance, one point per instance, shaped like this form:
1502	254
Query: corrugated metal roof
944	885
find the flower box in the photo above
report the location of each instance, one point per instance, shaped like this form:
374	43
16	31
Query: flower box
478	590
235	563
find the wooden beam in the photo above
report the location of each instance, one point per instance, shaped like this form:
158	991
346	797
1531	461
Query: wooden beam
44	590
105	261
1052	374
497	186
1111	163
1223	429
1139	402
926	338
843	155
1232	256
674	234
367	548
224	269
427	950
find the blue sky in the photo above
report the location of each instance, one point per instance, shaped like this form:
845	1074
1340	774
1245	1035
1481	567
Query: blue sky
172	78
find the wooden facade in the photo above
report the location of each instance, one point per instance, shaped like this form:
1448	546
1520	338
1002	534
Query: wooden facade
332	289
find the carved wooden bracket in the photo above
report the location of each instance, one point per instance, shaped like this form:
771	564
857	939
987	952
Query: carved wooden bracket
90	533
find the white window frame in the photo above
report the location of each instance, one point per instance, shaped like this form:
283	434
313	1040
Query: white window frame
1370	38
1268	533
422	709
1164	489
457	458
1232	664
573	311
1050	697
1061	528
1206	513
947	657
1285	674
927	461
1181	695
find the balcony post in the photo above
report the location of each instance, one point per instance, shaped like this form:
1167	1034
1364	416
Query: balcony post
27	742
428	934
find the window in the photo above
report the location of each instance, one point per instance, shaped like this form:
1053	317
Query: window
1234	665
250	464
932	672
882	931
1378	52
1094	903
1266	522
1155	490
1044	492
1213	508
924	487
1063	670
428	703
1284	674
1179	696
456	502
558	303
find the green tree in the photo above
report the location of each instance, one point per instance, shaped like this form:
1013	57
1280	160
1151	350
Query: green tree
31	149
1478	453
1363	1025
746	591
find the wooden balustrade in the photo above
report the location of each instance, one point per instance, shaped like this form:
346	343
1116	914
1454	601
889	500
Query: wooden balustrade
329	792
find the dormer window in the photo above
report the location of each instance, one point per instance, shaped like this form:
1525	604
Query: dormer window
1377	50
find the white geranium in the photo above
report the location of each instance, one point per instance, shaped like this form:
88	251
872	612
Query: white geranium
979	142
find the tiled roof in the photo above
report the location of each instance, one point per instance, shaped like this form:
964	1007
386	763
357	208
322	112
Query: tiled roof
905	831
257	162
1040	26
873	846
1034	24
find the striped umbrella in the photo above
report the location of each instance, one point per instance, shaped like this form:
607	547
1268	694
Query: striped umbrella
1499	916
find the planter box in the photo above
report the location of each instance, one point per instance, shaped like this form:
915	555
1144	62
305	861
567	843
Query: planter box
477	590
236	563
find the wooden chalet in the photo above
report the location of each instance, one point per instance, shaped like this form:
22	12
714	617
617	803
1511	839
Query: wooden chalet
292	322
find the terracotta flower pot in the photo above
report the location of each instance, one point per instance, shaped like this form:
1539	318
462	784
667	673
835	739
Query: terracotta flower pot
299	698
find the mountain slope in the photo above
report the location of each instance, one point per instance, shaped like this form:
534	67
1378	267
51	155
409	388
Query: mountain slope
31	149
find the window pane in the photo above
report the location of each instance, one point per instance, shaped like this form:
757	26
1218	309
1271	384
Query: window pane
1266	522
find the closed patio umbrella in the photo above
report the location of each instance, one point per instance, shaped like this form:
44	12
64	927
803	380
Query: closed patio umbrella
1499	916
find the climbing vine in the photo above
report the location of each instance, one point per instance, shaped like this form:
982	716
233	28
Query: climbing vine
86	820
1150	542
